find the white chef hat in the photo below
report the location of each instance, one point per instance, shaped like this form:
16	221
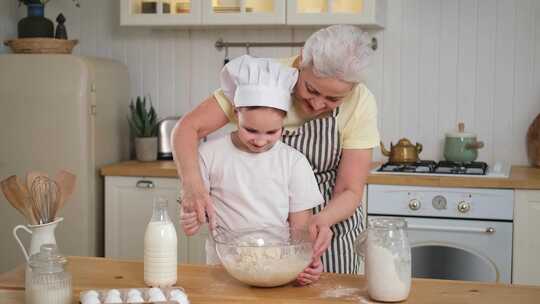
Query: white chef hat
249	81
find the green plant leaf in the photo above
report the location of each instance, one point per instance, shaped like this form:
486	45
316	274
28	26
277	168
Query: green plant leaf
143	120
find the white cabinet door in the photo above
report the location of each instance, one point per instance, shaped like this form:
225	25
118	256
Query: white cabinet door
241	12
160	12
369	13
526	269
128	209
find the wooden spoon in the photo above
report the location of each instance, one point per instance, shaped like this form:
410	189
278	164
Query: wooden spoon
66	183
17	196
30	214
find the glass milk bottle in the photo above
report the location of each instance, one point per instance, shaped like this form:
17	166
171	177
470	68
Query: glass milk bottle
385	248
160	248
46	281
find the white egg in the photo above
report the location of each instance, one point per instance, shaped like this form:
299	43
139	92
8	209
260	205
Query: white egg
115	292
158	298
135	299
89	294
134	292
182	299
154	291
113	298
91	300
176	292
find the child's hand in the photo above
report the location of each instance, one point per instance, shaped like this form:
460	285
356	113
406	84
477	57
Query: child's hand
311	274
189	221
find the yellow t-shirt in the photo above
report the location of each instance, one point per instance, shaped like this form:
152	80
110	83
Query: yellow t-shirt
357	117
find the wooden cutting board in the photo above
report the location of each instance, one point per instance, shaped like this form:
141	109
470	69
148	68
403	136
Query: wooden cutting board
533	142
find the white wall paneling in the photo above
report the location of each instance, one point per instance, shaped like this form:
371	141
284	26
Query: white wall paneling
485	75
504	80
410	59
8	22
439	62
448	69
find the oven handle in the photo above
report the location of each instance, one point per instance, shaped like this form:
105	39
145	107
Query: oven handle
488	230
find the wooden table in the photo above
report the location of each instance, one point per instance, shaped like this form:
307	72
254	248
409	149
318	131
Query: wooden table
205	284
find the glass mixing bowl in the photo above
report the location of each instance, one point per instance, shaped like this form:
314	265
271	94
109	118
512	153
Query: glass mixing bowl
264	257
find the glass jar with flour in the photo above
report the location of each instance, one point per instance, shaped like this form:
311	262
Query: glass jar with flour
46	280
385	248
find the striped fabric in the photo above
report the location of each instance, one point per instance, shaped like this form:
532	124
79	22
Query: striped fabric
318	140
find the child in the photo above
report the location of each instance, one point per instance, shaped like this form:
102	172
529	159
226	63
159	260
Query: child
253	178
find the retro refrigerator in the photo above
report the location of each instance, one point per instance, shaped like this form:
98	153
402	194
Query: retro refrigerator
62	112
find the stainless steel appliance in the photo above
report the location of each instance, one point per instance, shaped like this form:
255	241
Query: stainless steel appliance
455	233
165	128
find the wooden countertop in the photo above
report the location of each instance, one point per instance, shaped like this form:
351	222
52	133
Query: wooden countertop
205	285
160	168
521	177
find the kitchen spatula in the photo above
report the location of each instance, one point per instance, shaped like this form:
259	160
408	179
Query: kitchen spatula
17	196
66	183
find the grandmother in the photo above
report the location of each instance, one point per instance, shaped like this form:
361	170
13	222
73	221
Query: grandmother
333	122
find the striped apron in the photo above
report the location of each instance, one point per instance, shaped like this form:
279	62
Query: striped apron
319	141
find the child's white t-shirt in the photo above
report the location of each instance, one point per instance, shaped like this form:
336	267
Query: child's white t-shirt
256	189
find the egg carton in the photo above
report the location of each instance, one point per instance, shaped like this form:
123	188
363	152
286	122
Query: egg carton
170	295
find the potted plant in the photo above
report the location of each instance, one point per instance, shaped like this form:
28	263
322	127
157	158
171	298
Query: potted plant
143	123
35	24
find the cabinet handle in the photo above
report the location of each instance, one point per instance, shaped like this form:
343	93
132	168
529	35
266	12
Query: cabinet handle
145	184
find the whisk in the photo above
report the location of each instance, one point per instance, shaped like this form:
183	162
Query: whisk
45	194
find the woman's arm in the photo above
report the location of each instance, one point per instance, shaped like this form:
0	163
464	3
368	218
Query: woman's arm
201	121
352	175
300	219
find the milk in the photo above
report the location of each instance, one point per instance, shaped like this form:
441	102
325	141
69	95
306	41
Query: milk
160	248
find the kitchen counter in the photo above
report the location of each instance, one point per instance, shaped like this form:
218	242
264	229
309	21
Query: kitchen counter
210	284
521	177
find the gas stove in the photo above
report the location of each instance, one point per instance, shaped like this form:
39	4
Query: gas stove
446	168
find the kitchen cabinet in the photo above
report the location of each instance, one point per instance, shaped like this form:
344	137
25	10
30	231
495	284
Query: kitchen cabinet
369	13
160	12
128	209
235	12
526	269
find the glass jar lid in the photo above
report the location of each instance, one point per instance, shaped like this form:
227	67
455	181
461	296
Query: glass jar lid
387	223
48	259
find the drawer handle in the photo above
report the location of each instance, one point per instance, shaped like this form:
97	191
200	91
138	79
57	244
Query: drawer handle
145	184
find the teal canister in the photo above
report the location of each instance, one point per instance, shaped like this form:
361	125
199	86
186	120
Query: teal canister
460	146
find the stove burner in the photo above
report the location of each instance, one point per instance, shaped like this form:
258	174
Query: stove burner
442	167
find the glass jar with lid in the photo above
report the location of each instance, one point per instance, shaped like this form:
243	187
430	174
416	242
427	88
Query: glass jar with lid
47	280
385	248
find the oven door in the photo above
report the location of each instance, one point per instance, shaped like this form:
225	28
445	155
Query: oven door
452	249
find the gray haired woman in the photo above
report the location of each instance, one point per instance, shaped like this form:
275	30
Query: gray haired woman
333	122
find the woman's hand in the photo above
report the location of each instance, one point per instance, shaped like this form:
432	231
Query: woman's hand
189	221
198	201
311	274
320	231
